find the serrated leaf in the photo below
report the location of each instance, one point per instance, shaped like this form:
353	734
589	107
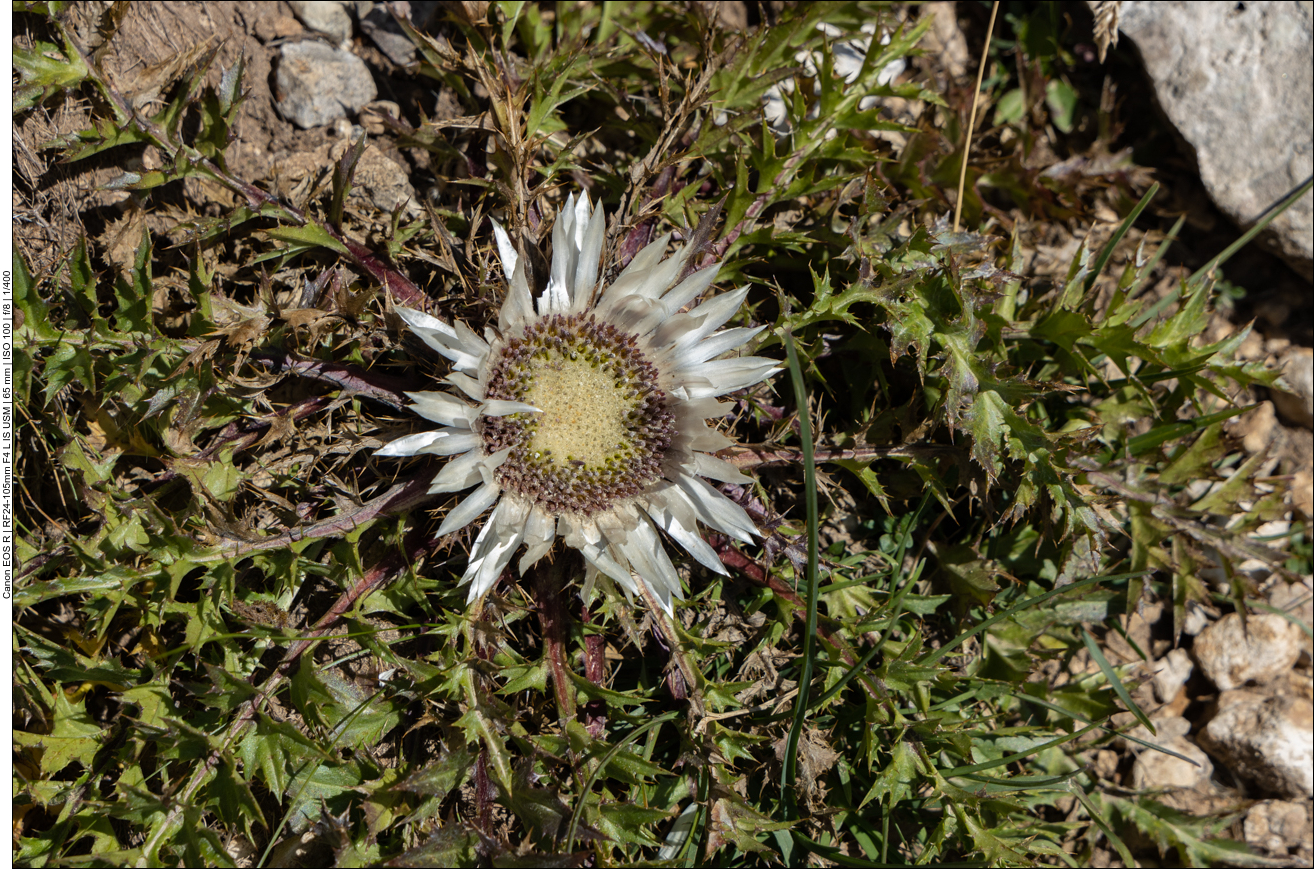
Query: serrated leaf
155	704
894	783
623	765
69	363
117	579
44	71
591	691
74	737
453	844
479	727
60	665
732	821
1196	840
525	677
628	822
317	782
441	777
869	479
733	744
274	749
1191	463
36	315
360	718
201	846
134	290
228	691
307	237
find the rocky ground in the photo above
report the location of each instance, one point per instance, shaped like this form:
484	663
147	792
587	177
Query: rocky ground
1231	698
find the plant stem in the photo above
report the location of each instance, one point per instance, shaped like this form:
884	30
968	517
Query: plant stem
549	583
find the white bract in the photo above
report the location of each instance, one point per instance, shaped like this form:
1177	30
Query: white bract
583	414
848	58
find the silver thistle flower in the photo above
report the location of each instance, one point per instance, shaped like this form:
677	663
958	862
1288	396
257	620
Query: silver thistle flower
586	413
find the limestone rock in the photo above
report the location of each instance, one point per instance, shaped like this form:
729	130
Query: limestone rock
1295	403
1171	674
1265	739
1232	654
1236	81
329	17
1278	826
1155	769
317	84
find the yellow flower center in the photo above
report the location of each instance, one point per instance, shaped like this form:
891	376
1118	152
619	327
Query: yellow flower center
584	412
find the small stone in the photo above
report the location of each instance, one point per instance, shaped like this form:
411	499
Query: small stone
1297	600
384	31
268	28
1295	402
1231	653
1105	764
329	17
386	184
378	180
946	39
1174	669
1257	428
317	84
1265	739
372	116
1197	619
1154	769
1277	826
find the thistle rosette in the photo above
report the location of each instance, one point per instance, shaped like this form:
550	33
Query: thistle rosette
583	414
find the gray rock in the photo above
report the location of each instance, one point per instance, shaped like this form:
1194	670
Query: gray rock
378	24
329	17
1295	404
384	183
1277	826
1171	674
1155	769
1265	739
1236	81
317	84
1296	599
1232	654
1197	619
378	180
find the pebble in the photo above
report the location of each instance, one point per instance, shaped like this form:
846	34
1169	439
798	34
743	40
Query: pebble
317	84
378	179
378	24
1257	428
1297	600
1197	619
1173	672
329	17
1277	826
386	184
1295	403
1154	769
1265	739
1232	654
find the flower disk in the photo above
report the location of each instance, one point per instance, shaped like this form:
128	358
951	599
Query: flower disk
602	425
